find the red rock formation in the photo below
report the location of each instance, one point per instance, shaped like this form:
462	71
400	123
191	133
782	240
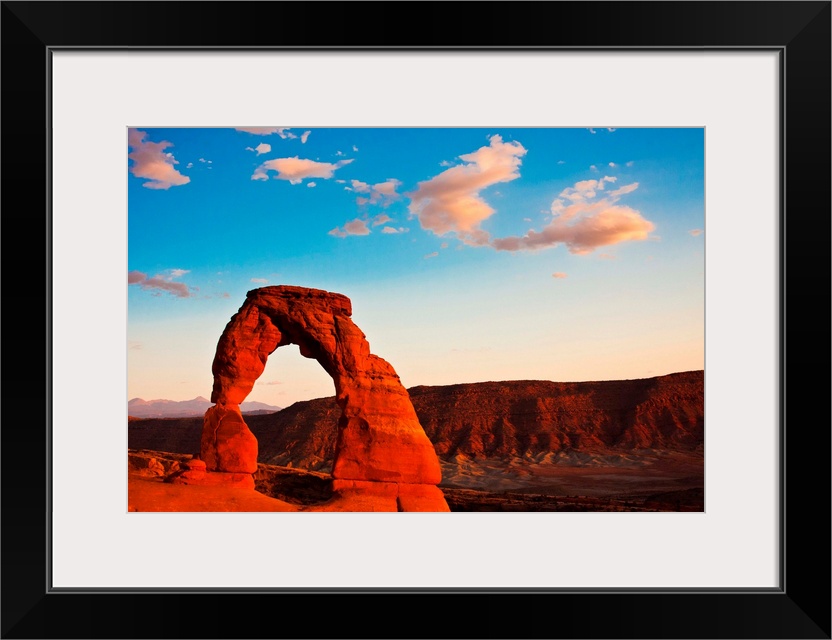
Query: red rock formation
379	436
484	420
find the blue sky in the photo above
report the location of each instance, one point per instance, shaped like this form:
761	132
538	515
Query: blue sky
469	254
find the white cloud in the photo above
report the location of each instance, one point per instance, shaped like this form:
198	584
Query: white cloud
354	148
451	202
296	169
591	130
628	164
304	136
612	164
311	184
260	149
151	162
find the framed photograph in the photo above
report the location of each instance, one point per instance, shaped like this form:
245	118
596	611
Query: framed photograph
689	142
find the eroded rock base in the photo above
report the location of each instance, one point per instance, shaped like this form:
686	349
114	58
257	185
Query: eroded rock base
360	495
195	473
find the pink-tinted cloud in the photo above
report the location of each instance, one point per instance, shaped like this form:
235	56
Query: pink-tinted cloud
260	149
381	219
585	189
559	275
267	131
622	191
355	227
135	277
451	202
585	223
296	169
304	136
696	232
259	280
380	193
394	229
161	282
431	255
151	162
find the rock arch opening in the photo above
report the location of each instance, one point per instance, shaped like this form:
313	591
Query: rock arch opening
383	458
289	378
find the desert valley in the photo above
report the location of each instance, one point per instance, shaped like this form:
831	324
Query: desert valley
626	445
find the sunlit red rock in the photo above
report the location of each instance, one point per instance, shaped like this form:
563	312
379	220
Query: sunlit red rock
227	444
379	438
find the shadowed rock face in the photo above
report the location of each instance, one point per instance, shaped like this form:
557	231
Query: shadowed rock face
380	441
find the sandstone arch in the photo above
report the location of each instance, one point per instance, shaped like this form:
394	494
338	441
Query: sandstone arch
383	459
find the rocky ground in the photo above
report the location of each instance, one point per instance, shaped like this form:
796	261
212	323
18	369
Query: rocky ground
670	482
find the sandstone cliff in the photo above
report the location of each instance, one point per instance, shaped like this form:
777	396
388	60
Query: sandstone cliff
484	420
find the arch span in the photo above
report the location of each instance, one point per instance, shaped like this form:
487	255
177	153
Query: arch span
381	450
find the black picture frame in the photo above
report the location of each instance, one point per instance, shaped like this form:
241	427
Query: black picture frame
799	608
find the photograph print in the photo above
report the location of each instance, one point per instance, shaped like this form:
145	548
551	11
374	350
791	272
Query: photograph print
415	319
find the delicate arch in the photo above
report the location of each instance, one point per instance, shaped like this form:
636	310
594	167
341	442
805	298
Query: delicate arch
379	439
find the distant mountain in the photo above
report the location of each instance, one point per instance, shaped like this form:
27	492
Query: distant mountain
512	419
138	408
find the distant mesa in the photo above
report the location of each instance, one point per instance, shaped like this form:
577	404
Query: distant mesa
383	459
513	419
138	408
